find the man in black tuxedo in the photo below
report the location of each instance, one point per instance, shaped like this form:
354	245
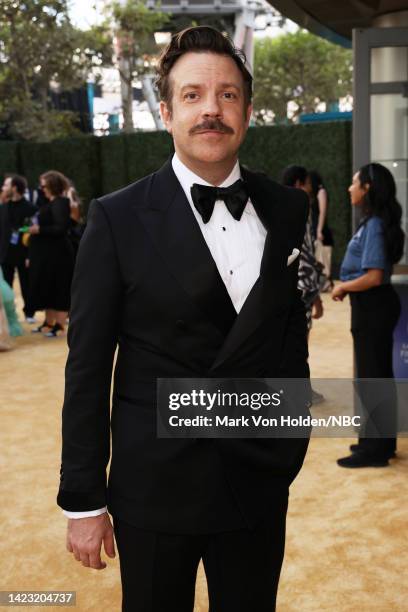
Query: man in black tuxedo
13	253
191	272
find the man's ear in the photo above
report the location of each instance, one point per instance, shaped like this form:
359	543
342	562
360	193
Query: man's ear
248	114
165	115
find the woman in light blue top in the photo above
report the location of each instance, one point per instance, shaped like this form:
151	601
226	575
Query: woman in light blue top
375	309
7	298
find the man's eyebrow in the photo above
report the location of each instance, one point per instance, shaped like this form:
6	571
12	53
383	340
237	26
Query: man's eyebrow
229	85
191	86
199	85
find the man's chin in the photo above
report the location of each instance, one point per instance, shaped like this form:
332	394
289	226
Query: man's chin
211	155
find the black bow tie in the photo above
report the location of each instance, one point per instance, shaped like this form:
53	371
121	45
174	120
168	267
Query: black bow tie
234	196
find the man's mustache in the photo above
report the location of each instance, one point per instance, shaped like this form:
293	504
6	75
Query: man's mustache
212	124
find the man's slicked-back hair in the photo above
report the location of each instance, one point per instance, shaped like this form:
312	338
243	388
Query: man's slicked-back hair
199	39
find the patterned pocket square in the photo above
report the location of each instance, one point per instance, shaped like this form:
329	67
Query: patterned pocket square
291	258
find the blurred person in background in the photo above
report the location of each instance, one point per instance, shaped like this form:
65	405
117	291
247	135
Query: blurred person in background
8	304
375	307
38	197
321	231
51	255
5	340
5	190
311	276
76	228
15	214
74	202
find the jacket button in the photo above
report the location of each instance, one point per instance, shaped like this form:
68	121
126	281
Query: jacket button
181	324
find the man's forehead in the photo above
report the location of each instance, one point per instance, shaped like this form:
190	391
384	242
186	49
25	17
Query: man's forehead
195	68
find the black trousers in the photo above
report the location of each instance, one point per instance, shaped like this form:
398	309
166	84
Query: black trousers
13	262
374	315
242	567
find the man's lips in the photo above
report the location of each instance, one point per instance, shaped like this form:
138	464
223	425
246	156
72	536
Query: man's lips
209	132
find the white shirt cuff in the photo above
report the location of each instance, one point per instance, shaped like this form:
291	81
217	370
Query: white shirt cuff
88	513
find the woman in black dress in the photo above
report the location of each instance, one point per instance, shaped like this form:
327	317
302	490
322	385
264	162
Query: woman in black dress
51	255
322	234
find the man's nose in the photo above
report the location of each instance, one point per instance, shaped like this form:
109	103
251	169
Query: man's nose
212	106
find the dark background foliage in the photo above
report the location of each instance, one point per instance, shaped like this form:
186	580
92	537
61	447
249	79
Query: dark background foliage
101	165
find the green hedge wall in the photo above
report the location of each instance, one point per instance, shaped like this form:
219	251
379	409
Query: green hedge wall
113	165
9	161
77	158
146	152
326	147
102	165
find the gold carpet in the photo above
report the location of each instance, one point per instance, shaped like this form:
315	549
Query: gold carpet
347	547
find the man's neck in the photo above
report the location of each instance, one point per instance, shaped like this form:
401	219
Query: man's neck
214	173
16	198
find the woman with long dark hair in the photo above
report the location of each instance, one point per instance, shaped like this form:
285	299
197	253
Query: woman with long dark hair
51	255
375	309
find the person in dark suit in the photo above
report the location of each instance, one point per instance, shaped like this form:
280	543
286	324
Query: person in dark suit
14	214
190	272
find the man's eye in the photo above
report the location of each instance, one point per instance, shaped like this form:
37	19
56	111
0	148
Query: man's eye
229	95
190	95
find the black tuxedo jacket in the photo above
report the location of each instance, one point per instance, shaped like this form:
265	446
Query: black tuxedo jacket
145	282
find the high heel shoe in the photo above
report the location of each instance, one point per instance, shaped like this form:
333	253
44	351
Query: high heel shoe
41	328
55	331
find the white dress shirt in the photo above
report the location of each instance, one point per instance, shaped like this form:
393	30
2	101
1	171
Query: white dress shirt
235	246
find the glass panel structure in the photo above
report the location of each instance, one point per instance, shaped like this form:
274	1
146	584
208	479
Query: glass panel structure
389	64
389	121
389	126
